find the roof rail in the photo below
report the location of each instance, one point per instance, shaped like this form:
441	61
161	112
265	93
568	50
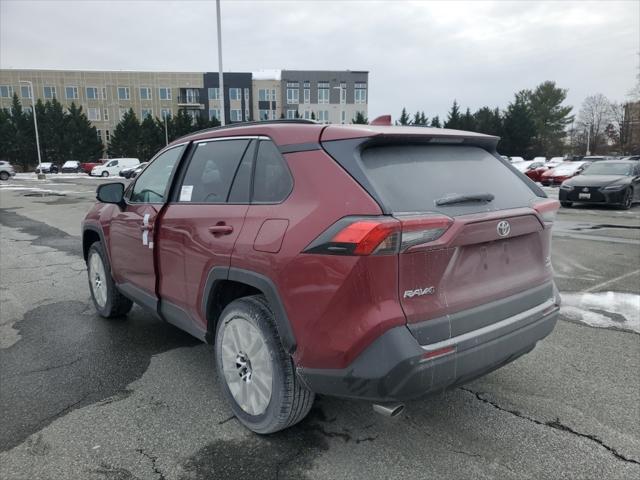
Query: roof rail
246	124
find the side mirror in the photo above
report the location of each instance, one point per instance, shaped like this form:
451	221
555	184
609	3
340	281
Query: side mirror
111	193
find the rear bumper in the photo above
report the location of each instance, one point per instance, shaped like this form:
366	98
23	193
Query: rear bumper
393	368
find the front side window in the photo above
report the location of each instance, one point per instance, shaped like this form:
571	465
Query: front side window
211	170
123	93
272	181
49	92
91	93
151	185
235	93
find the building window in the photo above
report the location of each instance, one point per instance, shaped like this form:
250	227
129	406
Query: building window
307	115
306	84
273	95
246	95
99	133
49	92
264	95
123	93
145	93
293	93
6	91
104	93
235	94
360	93
307	95
214	93
107	137
105	114
122	112
291	114
25	91
214	113
246	115
343	93
164	93
91	93
236	115
323	116
146	112
71	93
166	112
93	114
323	92
192	95
264	114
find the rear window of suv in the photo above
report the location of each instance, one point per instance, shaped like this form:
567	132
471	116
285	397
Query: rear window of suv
412	178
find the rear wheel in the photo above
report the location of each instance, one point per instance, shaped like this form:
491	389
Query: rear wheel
109	302
104	174
628	199
256	374
566	204
4	176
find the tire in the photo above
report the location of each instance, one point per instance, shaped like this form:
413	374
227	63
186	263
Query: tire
4	176
104	174
243	324
109	302
627	202
566	204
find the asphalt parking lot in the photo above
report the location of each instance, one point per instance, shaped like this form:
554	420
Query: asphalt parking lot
83	397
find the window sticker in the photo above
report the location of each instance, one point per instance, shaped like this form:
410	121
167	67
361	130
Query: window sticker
185	193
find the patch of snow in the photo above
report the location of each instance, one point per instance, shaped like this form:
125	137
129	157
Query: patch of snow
266	75
592	309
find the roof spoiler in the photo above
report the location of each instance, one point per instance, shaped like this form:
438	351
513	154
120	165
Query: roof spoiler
382	120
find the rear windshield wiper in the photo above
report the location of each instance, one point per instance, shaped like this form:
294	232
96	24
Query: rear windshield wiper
465	198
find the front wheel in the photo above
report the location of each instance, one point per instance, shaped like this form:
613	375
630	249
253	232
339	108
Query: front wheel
104	174
4	176
566	204
256	374
109	302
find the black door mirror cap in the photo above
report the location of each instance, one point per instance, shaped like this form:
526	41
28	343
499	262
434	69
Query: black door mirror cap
111	193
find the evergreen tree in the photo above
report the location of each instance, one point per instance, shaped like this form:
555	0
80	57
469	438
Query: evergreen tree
467	122
454	117
313	116
550	117
24	144
183	124
435	122
359	119
519	127
126	137
423	119
417	119
404	117
7	136
297	115
488	121
151	138
80	137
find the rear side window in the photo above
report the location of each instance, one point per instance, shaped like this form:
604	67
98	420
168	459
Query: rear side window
211	171
412	178
272	181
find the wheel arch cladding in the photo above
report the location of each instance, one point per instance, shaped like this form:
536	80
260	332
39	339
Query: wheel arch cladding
90	235
219	279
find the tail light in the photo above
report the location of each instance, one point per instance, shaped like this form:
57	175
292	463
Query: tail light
547	209
378	235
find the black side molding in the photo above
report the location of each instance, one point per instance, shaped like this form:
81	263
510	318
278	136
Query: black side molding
262	283
139	296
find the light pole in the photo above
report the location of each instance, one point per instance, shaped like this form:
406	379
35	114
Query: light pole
588	138
41	175
220	75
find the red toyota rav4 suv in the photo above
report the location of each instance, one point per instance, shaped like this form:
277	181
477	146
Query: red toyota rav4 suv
371	262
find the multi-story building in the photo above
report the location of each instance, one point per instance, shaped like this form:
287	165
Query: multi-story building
326	96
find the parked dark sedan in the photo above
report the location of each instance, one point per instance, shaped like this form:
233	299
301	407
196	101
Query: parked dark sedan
613	182
132	172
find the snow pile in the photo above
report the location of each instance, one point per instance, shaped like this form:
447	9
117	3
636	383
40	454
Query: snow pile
603	309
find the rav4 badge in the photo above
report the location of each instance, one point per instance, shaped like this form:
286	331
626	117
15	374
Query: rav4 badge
419	292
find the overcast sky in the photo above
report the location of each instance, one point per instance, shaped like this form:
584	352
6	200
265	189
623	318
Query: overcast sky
420	55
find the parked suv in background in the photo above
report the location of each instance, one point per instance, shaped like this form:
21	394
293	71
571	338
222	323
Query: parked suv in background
370	262
6	170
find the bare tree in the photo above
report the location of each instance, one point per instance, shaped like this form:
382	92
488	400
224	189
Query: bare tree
594	117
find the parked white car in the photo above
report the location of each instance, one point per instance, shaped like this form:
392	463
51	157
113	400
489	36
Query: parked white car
522	165
516	159
113	167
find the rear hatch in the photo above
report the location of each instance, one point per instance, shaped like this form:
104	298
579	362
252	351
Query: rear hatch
470	233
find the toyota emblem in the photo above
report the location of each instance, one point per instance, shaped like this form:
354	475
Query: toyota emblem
503	228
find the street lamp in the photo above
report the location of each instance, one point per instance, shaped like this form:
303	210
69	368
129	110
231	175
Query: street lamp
220	75
41	175
588	138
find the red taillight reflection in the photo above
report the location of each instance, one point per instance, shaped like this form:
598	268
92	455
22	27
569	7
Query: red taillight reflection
439	352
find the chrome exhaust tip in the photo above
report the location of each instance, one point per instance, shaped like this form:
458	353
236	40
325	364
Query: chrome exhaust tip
388	409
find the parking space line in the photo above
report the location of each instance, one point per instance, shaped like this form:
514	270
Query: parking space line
613	280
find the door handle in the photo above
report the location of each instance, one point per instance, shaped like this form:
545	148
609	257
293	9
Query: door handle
221	229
